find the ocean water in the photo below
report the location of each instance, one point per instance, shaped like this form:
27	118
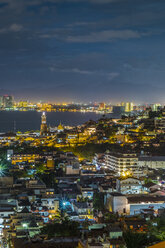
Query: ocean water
31	120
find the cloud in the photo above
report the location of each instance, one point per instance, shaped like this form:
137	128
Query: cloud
85	72
105	36
20	3
90	1
103	1
75	57
108	75
94	37
80	24
15	27
12	28
73	70
113	75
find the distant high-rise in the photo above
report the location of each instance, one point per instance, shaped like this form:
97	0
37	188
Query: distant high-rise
23	104
156	106
44	128
101	106
128	106
1	101
7	102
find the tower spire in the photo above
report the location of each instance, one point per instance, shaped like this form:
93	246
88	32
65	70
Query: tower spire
44	128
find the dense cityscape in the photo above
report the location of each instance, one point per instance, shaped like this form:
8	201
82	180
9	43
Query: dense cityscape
98	184
82	124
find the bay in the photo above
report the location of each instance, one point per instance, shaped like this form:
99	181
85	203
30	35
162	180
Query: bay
31	120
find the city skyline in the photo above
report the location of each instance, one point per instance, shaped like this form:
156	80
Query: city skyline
27	100
83	50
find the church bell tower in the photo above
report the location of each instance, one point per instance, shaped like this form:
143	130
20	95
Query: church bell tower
44	128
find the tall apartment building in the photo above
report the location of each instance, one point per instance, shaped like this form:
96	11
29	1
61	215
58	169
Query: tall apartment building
128	106
8	102
155	107
102	106
1	101
121	162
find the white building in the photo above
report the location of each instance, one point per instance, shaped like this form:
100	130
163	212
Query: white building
73	169
132	205
152	162
121	162
129	186
140	202
117	203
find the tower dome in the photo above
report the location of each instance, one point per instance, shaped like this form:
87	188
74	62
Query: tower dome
60	127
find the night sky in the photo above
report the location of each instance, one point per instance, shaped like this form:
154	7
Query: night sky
83	50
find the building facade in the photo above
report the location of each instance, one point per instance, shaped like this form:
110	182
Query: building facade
121	162
44	128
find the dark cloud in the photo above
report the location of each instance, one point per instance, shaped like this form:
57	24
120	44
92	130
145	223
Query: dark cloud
83	49
105	36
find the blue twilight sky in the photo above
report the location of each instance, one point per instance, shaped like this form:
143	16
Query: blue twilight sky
83	50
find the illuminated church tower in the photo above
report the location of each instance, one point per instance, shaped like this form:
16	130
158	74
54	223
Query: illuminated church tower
43	129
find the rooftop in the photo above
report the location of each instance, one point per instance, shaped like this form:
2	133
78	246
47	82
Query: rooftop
152	158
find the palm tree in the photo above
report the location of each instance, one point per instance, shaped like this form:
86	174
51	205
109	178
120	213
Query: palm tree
135	240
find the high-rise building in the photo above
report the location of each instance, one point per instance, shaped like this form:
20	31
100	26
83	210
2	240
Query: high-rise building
44	128
128	106
156	106
1	101
8	102
101	106
23	104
